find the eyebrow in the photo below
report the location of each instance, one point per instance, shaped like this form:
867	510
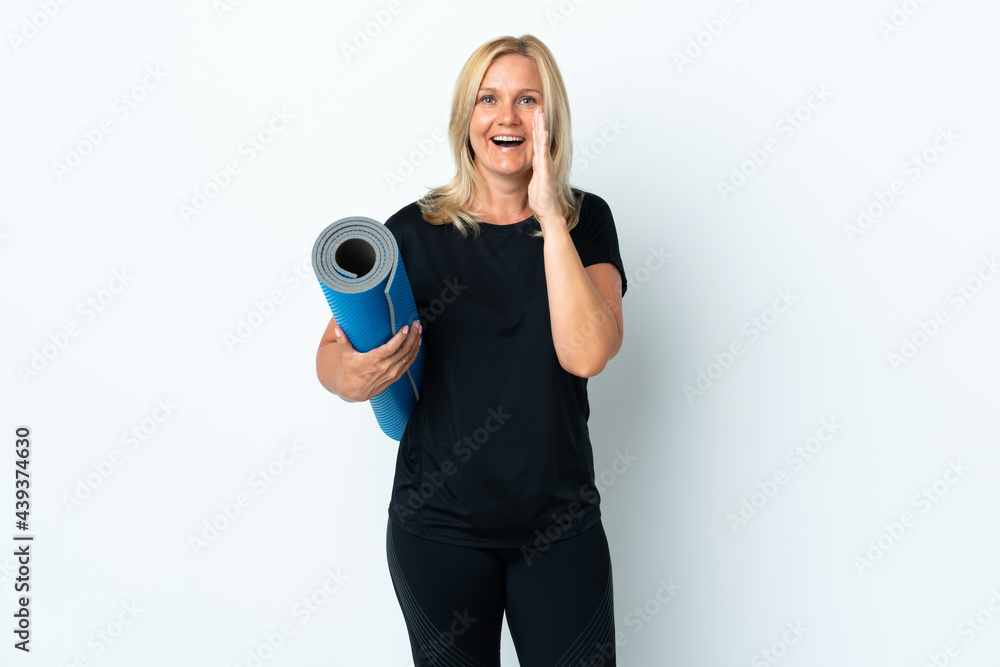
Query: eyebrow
523	90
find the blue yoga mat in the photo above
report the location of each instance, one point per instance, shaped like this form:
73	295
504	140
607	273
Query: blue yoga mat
358	265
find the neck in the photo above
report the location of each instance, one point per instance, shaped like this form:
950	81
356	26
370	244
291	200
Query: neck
502	199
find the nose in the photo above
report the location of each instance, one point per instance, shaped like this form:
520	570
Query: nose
508	114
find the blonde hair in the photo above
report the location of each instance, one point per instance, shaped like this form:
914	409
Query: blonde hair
454	202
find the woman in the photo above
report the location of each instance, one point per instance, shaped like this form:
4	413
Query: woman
519	281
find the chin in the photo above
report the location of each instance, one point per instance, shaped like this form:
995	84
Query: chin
506	170
513	171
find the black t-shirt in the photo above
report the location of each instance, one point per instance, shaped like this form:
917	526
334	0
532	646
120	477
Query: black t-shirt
496	452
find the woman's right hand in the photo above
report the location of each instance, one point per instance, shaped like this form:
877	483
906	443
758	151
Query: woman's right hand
358	376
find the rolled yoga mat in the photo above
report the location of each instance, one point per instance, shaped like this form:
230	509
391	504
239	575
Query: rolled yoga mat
358	265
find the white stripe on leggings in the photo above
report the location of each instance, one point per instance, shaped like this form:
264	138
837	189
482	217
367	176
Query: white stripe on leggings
423	629
600	624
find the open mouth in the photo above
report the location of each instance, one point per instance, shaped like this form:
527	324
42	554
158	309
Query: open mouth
507	141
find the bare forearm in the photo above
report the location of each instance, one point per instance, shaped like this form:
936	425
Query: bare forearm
584	329
329	370
357	377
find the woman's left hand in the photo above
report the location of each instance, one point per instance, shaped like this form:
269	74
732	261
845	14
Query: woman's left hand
542	197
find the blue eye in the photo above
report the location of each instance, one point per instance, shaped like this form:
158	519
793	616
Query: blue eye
485	99
531	100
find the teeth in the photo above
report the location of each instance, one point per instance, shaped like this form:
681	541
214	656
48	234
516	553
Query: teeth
508	138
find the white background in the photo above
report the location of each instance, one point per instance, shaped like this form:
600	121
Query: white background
655	137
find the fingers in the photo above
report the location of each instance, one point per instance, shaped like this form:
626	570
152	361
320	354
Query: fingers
393	358
399	345
406	355
370	373
538	138
542	196
541	161
403	338
396	363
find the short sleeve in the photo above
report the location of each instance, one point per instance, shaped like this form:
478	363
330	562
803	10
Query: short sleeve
400	224
595	236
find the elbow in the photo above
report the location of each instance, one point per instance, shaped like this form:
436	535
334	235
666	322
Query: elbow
325	380
587	371
587	366
328	377
586	361
332	387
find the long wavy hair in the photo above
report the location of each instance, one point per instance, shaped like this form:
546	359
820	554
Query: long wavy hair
454	202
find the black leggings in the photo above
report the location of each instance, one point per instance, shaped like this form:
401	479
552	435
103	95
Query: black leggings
559	602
